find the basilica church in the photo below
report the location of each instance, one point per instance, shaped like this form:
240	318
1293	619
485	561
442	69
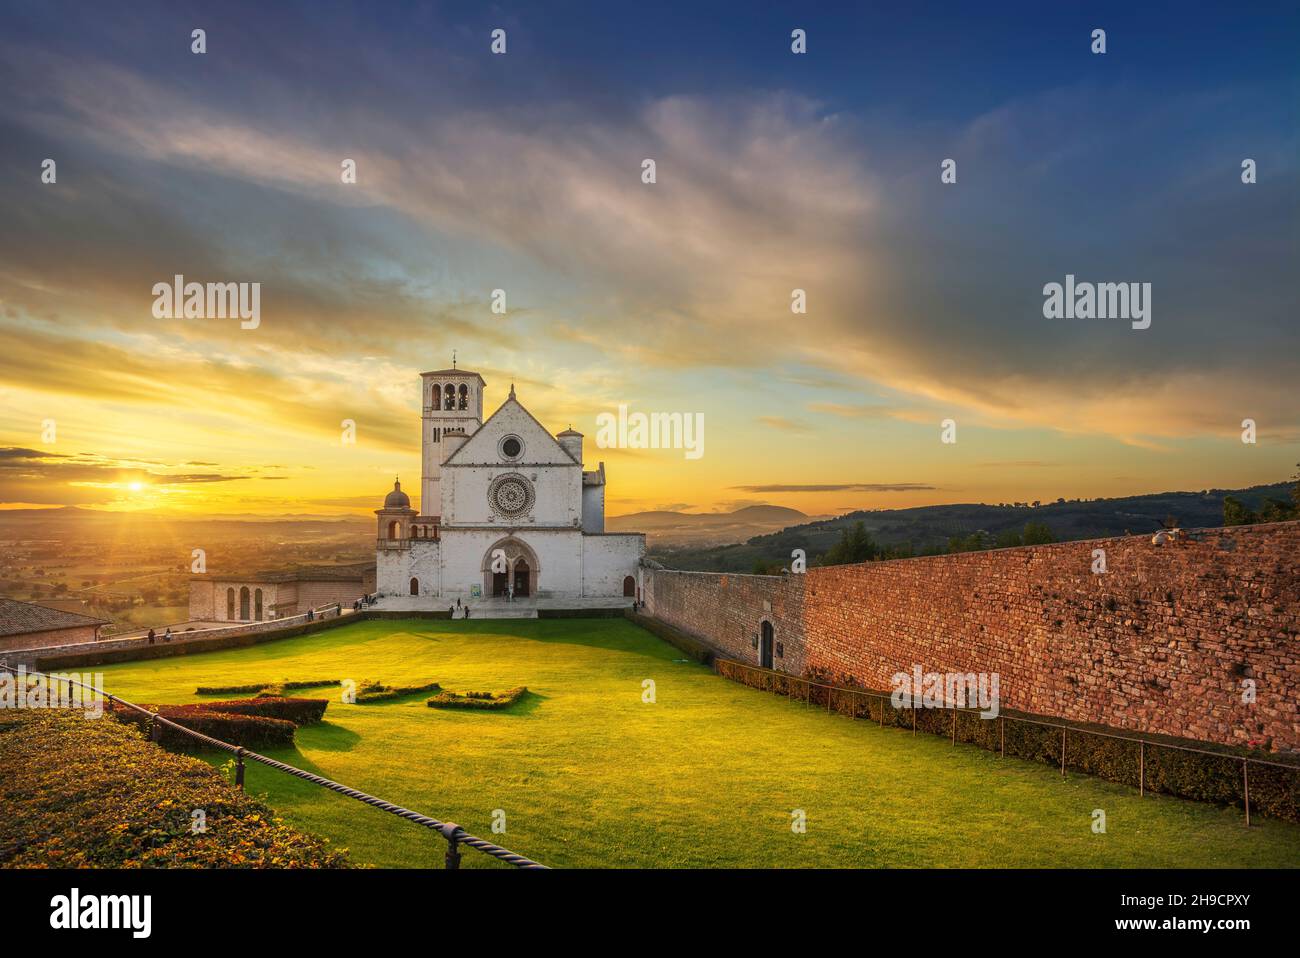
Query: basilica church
507	511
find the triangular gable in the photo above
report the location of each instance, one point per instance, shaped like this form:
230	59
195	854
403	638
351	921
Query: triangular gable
511	418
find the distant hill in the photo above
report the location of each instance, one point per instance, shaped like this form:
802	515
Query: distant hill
698	529
40	523
931	526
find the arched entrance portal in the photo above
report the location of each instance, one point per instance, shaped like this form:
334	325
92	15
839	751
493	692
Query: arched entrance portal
629	587
510	563
765	643
415	587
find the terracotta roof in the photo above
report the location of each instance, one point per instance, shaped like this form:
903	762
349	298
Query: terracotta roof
19	618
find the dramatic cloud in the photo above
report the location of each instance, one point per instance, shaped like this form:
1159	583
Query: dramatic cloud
924	300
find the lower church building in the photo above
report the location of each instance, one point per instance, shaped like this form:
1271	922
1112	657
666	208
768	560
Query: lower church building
507	510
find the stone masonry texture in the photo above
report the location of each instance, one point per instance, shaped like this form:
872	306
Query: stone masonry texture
1163	642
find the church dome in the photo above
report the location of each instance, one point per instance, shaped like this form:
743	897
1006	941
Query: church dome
397	499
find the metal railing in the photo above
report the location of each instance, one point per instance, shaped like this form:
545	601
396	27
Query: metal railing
780	683
453	833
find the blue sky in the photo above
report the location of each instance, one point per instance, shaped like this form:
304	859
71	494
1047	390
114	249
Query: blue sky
776	171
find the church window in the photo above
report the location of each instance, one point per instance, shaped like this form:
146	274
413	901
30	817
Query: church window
464	396
511	495
415	587
230	605
511	447
392	529
436	433
449	397
257	605
435	396
243	604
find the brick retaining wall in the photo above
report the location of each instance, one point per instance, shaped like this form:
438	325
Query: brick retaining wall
1161	642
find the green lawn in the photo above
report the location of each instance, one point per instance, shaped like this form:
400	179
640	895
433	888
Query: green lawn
589	775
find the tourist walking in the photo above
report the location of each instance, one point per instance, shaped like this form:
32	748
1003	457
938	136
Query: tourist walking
152	637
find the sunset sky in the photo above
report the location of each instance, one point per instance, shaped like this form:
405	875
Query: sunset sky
523	172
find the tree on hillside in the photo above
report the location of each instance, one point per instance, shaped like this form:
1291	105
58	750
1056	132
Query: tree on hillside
1235	512
975	542
1037	534
855	545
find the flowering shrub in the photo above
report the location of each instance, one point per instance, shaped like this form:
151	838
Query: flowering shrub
94	794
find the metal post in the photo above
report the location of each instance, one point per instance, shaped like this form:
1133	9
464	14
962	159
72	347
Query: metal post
1142	768
155	730
1245	777
239	770
452	859
1062	752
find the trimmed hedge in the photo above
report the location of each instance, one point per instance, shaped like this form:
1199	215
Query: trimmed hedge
380	693
616	613
249	731
95	794
1217	778
693	647
297	711
272	688
477	700
252	723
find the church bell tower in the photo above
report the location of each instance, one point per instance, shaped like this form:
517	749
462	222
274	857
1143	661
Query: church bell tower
452	400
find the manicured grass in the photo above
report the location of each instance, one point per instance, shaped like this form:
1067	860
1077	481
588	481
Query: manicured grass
589	775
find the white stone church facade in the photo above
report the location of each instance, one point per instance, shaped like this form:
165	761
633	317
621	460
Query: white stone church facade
507	510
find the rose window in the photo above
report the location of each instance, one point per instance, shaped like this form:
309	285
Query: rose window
511	495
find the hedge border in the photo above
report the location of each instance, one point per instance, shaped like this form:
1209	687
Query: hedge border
1167	769
463	700
698	650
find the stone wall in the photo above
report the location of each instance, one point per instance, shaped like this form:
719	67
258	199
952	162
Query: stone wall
49	638
30	654
1162	642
